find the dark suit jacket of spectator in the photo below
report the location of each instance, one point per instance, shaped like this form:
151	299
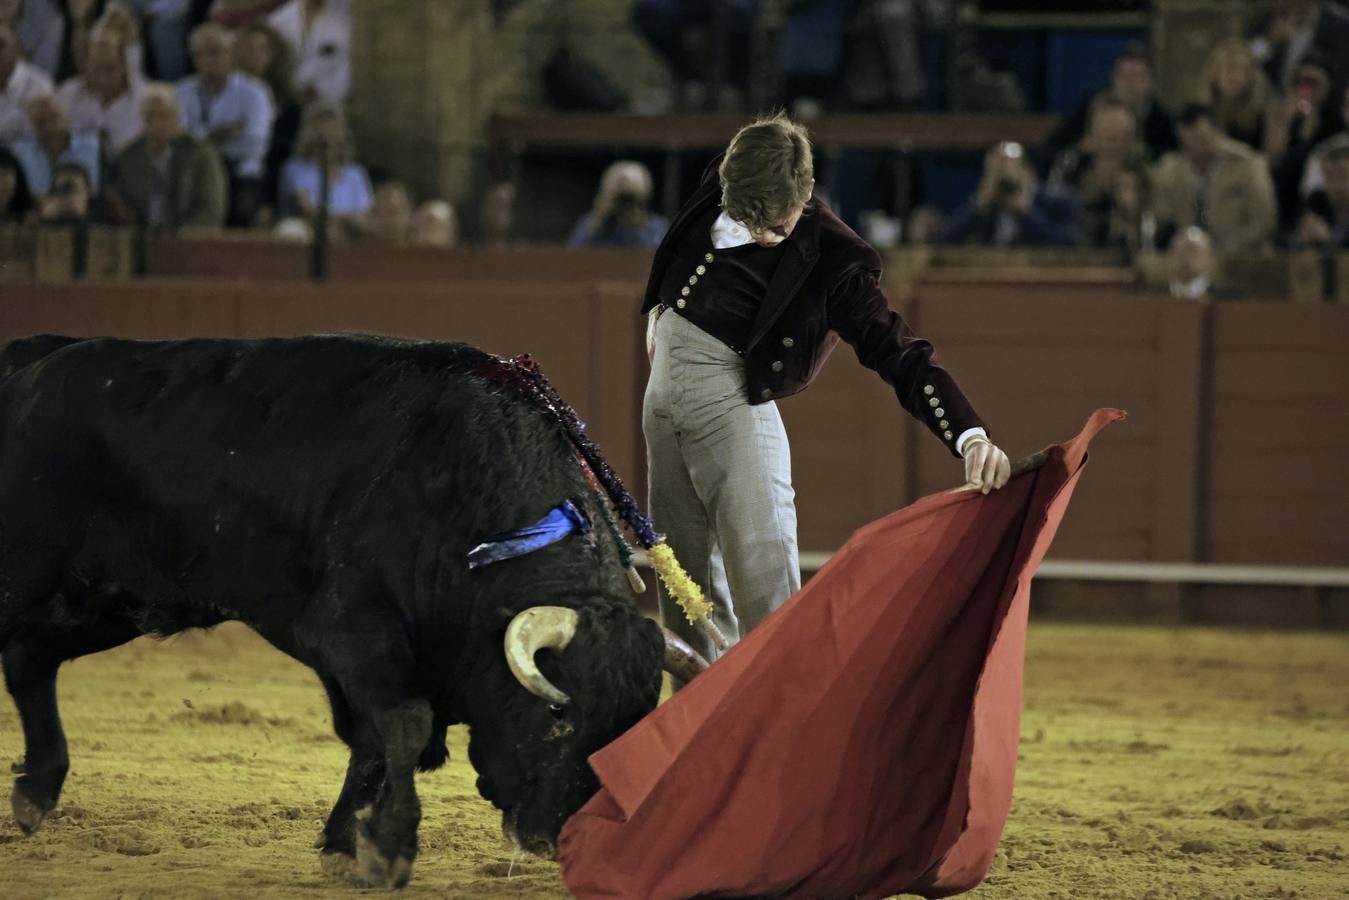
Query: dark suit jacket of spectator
1331	38
197	197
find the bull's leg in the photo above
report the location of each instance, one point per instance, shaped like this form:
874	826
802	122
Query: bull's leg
365	651
30	668
386	833
365	773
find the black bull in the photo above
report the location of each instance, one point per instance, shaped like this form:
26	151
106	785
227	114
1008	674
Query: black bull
325	491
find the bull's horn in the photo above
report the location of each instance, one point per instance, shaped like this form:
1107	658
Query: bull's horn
531	631
681	660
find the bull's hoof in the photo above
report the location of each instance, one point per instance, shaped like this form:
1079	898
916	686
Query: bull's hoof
27	813
374	869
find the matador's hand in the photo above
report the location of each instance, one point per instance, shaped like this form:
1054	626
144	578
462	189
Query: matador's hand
986	466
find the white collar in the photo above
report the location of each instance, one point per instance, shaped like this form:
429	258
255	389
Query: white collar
728	233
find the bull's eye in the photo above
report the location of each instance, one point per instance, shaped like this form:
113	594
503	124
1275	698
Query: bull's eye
557	710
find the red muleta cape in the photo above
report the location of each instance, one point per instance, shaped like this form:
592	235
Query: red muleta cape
862	741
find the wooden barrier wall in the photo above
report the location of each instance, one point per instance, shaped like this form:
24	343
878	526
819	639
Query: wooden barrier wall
1239	412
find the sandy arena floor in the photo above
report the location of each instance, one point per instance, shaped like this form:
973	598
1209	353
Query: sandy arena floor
1156	763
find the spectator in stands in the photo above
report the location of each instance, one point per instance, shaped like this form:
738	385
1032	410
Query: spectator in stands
496	215
390	216
52	143
261	52
15	200
621	216
121	21
435	224
1311	175
234	112
325	144
1131	85
1011	208
20	82
70	199
1283	37
666	24
319	34
1132	225
1313	117
42	31
1324	221
1244	103
166	24
1216	183
107	98
168	180
77	18
1190	264
1090	170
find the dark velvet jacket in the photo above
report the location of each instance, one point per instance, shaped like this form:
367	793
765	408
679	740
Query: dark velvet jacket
826	287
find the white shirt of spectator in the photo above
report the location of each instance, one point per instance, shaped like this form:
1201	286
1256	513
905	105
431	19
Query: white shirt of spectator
323	53
119	122
245	100
25	82
728	233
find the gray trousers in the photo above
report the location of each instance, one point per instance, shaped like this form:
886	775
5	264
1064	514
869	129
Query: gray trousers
720	476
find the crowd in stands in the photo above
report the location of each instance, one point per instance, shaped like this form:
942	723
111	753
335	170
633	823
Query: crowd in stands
1257	159
177	115
187	114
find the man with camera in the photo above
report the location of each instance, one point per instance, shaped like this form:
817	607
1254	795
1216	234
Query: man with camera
621	216
1011	209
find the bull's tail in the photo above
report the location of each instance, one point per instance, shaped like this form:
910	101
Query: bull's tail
524	374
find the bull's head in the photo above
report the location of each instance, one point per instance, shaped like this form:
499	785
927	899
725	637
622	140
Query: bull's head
587	676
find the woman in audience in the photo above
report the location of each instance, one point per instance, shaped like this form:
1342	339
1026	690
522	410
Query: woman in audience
1132	226
15	201
261	52
85	18
1244	103
324	144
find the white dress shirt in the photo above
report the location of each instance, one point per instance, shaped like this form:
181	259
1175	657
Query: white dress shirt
244	101
25	82
323	52
119	122
728	233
